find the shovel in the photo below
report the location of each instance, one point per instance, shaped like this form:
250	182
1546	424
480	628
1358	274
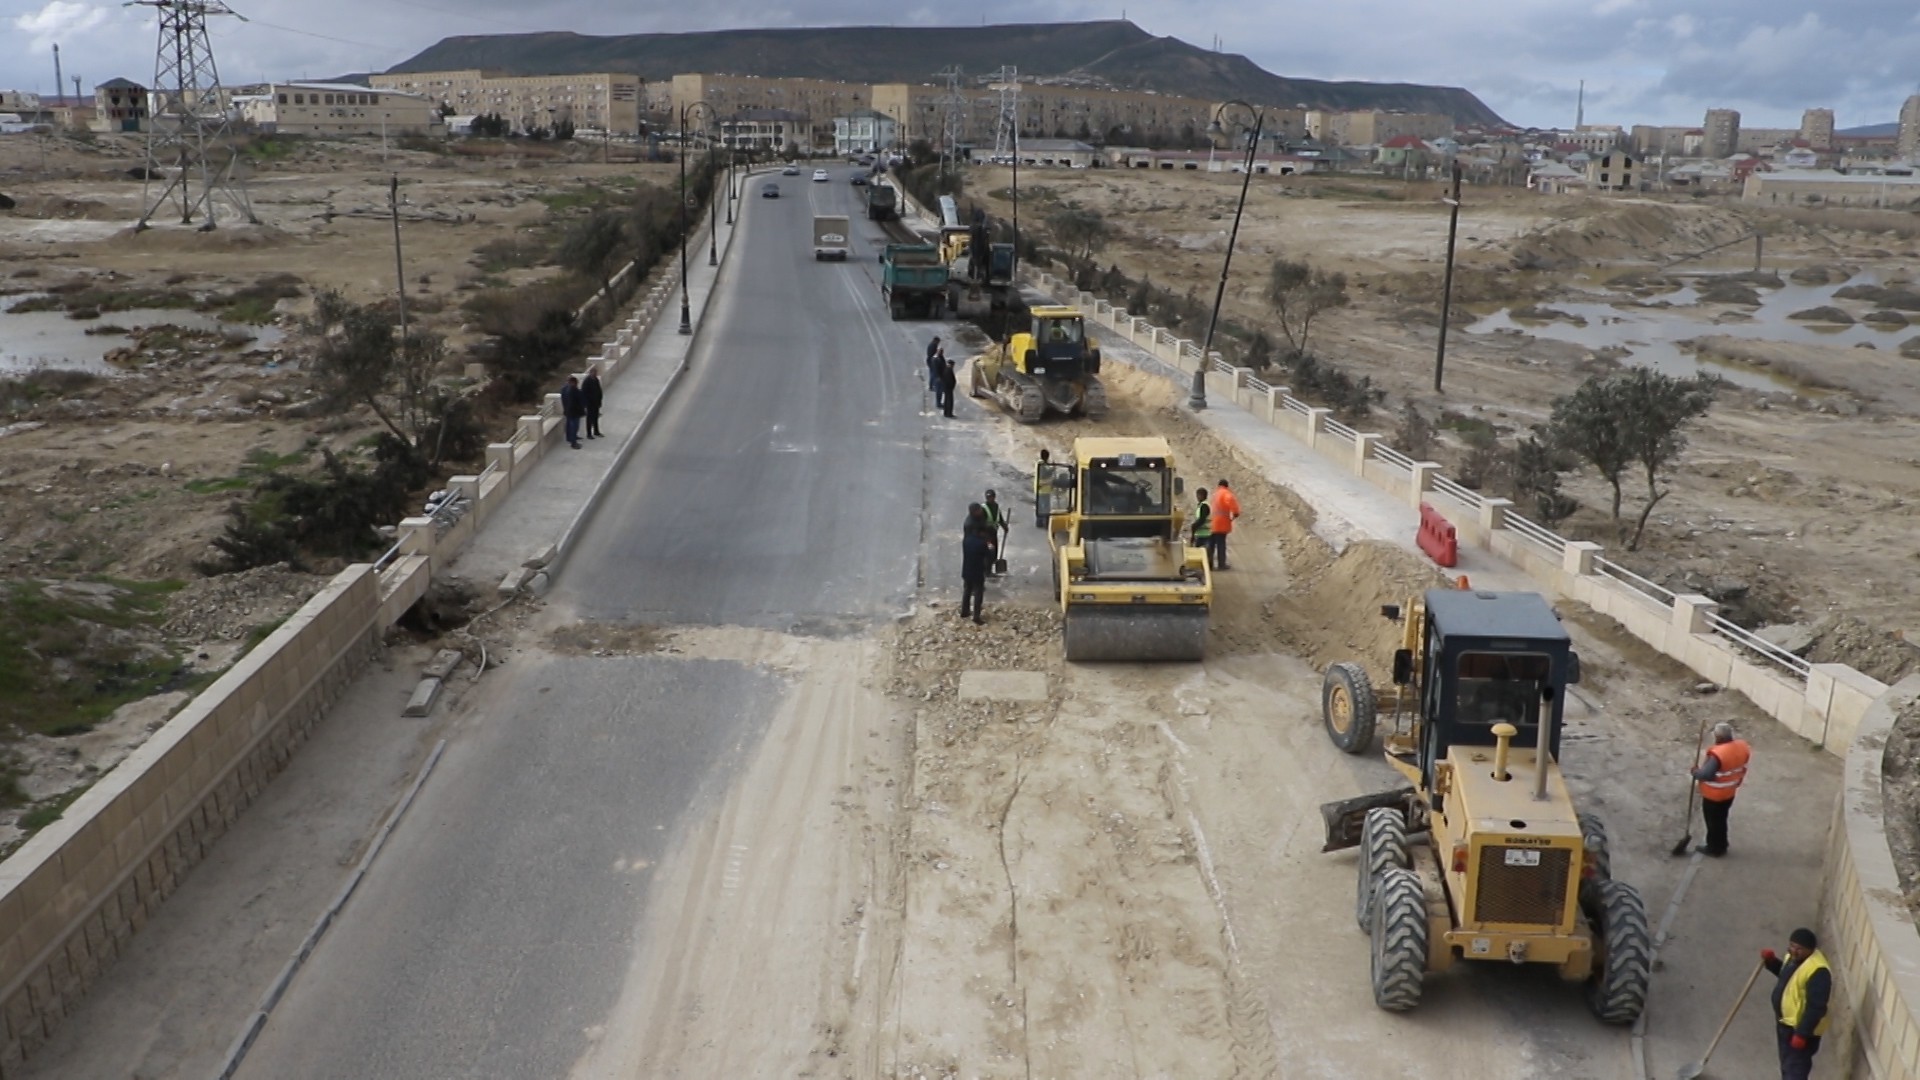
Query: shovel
1693	789
1691	1072
1000	555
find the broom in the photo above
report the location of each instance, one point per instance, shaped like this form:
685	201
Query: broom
1693	790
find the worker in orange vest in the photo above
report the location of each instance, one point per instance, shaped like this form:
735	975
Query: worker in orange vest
1721	771
1225	508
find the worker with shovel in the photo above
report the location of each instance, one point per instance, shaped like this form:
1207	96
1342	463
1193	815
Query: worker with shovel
997	521
1799	1001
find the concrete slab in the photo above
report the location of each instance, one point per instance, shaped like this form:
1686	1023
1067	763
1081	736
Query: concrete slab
442	664
1003	686
424	695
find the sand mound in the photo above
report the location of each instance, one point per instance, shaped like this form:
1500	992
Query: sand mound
1607	231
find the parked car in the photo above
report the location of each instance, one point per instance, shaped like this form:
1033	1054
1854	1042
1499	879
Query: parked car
859	179
790	170
819	176
771	191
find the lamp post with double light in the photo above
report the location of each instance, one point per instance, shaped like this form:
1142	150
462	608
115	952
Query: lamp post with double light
686	308
1197	395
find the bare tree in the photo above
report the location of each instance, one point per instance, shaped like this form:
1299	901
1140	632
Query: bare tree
1083	233
1299	294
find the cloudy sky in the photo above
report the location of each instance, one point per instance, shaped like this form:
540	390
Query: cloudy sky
1644	61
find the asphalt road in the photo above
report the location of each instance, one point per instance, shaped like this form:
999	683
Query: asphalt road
784	488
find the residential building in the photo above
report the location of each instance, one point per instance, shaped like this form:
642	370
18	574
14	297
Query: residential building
1554	178
1405	156
759	129
1071	153
1816	127
1799	157
1614	170
120	105
19	101
1597	138
1127	117
339	109
1764	140
1722	130
1371	127
603	102
1823	186
1652	141
863	132
1908	143
815	103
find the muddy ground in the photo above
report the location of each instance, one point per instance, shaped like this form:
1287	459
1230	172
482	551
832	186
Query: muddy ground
126	475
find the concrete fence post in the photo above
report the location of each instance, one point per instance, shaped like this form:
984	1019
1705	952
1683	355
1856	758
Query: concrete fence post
1690	613
1493	515
1316	425
1577	557
415	536
500	458
1276	404
1364	444
1421	482
530	430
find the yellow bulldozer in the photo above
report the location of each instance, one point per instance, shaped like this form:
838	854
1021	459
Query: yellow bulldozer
1052	365
1484	856
1129	585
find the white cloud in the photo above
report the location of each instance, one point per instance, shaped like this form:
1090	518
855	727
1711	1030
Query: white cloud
59	19
1615	7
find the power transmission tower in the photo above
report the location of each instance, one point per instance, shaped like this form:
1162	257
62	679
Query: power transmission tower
1007	82
187	119
953	106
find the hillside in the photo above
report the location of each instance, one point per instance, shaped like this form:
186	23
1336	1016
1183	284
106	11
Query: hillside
1872	131
1111	53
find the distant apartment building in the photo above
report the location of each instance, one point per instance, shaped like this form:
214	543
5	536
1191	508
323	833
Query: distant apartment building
1825	187
1614	170
757	129
600	102
1130	117
863	132
1653	141
1722	131
339	109
815	102
120	105
1597	139
1371	127
1764	141
1908	143
1816	128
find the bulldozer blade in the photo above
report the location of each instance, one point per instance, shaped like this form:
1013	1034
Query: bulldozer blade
1344	818
1135	632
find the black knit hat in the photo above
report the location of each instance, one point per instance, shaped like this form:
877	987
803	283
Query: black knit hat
1804	938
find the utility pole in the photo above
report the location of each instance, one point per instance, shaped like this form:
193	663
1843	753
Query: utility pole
189	117
1446	287
58	82
399	267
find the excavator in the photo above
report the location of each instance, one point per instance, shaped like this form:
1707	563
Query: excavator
1129	584
979	272
1050	366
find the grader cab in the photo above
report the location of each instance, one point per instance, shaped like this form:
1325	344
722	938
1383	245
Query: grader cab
1484	856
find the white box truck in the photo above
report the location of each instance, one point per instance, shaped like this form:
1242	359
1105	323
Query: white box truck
830	237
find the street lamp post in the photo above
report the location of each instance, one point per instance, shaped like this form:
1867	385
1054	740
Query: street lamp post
1197	395
713	207
1446	287
686	308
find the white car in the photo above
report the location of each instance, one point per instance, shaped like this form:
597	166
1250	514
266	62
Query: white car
819	176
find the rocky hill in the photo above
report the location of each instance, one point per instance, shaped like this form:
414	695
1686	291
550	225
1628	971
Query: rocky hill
1112	53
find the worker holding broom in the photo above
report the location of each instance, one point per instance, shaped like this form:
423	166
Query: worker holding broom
1720	773
1799	1001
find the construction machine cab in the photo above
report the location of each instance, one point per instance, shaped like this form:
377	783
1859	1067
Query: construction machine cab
1057	345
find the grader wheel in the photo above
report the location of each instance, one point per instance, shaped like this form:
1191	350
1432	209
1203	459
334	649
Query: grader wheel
1617	989
1383	847
1399	953
1347	707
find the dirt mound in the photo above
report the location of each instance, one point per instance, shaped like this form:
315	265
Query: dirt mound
1336	614
1825	313
1820	274
234	606
1627	230
1901	775
1850	640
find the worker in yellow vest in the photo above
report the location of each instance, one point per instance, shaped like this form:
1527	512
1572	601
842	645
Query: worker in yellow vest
1799	1001
1721	772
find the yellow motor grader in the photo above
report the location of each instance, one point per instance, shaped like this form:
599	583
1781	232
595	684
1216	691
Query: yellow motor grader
1484	856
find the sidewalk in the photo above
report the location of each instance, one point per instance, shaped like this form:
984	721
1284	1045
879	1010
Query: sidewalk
552	508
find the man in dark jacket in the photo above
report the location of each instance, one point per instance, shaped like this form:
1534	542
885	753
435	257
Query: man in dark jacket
573	406
592	396
1799	1002
976	553
933	364
948	381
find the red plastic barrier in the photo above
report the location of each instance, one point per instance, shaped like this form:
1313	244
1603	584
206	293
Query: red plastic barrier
1436	537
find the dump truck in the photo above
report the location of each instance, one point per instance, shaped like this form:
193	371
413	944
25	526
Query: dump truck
1050	366
1484	855
1128	583
913	281
979	272
830	236
883	203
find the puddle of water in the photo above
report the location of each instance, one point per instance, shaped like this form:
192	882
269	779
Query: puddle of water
32	340
1652	334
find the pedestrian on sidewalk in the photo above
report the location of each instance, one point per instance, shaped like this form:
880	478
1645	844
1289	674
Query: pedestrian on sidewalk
592	395
976	553
1225	509
996	521
1202	522
573	406
1720	774
948	382
934	355
1799	1002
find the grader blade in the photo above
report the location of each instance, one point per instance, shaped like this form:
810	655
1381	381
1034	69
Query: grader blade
1344	818
1135	632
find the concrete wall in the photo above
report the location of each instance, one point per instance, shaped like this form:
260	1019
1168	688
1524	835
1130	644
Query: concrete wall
1874	944
78	890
